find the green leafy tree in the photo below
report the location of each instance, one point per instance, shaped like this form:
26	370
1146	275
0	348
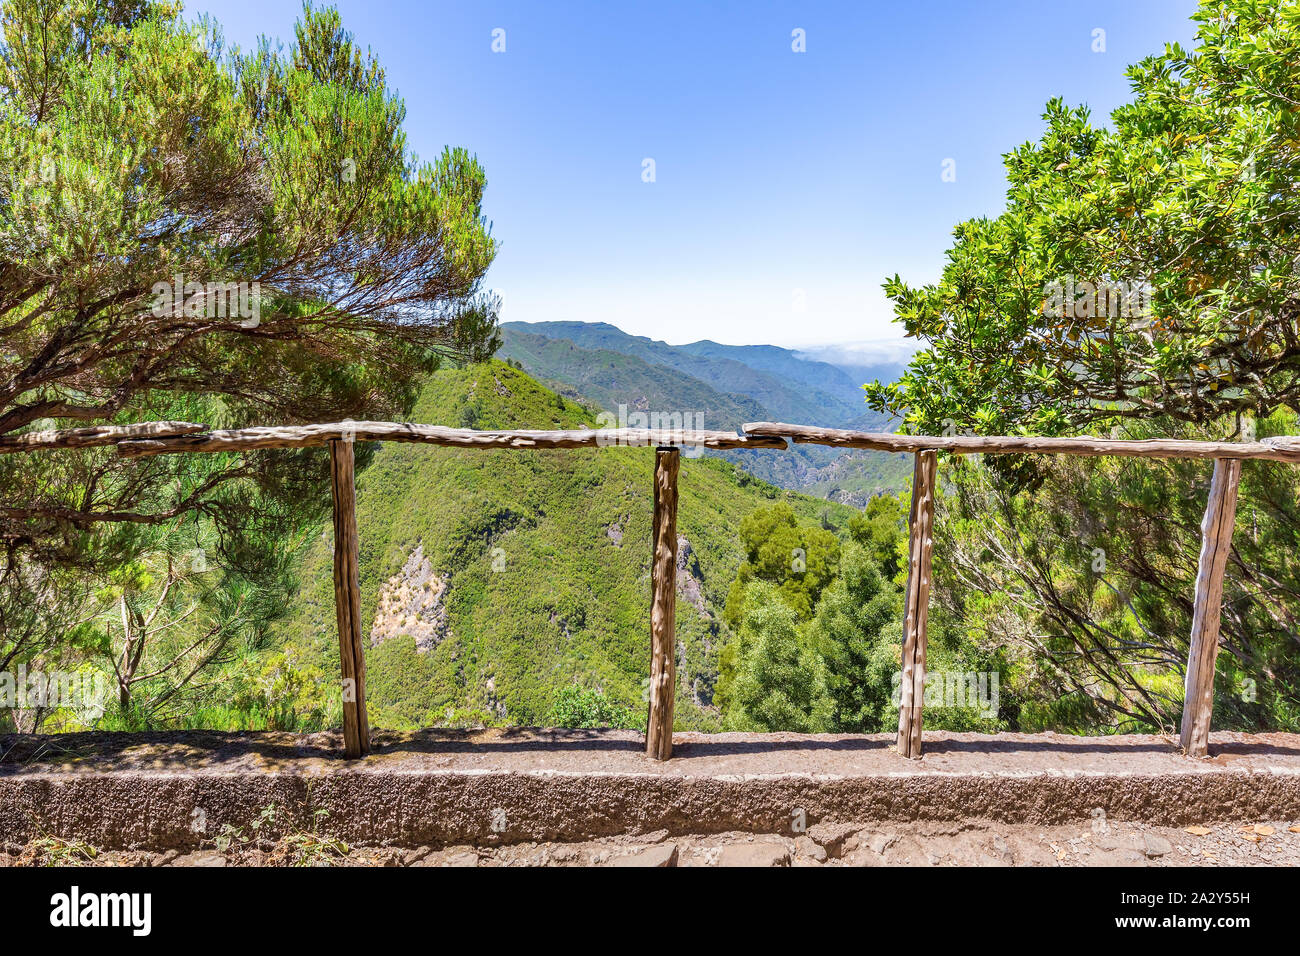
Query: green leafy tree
195	233
881	529
858	633
1190	193
780	680
1141	281
798	559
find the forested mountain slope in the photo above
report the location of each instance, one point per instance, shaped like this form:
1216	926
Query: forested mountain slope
606	367
492	580
801	398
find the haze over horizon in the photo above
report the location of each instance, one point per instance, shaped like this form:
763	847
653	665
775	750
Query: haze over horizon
850	353
787	185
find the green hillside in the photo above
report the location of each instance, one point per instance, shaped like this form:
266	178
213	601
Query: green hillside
544	557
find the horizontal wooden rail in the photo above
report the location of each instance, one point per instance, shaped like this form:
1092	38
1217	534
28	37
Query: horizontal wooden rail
304	436
94	435
1271	449
157	438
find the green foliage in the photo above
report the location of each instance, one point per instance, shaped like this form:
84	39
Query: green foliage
780	681
545	559
1190	190
55	851
257	834
310	848
145	166
858	633
798	559
839	670
578	707
1077	576
1085	583
881	529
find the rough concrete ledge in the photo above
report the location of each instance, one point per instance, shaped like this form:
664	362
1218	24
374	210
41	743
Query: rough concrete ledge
177	790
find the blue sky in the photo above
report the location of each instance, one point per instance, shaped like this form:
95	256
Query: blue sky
787	185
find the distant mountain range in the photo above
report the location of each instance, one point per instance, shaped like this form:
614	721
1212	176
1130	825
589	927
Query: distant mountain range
729	385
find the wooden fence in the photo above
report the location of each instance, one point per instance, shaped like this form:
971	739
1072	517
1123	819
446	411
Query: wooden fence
1216	530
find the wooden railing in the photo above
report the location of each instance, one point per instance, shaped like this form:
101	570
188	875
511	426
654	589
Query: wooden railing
1216	530
1216	543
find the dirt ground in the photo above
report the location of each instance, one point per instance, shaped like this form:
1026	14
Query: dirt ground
1097	843
695	755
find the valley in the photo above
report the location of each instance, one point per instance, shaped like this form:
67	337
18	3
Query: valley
493	580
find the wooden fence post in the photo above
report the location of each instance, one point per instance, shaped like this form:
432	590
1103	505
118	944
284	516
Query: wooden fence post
1216	544
347	599
663	608
916	609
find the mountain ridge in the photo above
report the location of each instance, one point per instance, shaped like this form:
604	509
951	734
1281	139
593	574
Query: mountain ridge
810	403
603	365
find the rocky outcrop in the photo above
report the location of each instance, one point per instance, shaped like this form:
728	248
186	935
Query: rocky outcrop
495	705
689	577
412	603
696	666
